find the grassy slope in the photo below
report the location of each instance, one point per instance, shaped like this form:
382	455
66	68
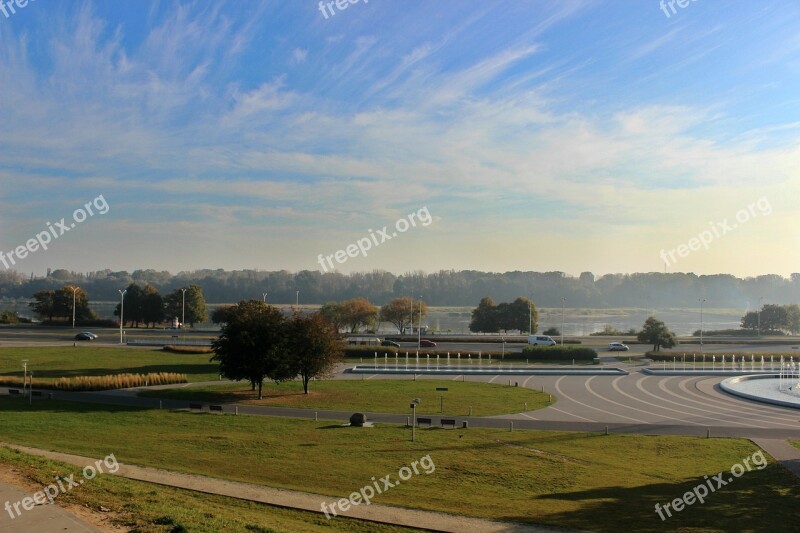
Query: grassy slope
383	396
54	362
591	482
149	508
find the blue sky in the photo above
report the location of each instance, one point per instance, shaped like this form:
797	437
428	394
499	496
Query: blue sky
570	135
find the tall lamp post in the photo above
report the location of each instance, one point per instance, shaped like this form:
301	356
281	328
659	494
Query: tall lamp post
74	290
24	375
563	301
121	312
758	331
419	325
183	307
702	301
411	313
264	295
297	299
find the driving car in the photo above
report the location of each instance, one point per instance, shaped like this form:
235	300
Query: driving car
85	336
425	343
390	343
617	347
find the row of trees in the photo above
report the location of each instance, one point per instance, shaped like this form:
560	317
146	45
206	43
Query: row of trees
521	314
58	304
259	343
145	305
774	319
443	288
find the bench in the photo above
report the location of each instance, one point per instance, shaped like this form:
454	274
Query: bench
195	406
13	392
449	422
215	407
426	421
37	393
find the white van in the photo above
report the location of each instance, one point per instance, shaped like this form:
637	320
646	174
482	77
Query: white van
541	340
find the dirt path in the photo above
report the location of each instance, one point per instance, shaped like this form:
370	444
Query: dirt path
294	499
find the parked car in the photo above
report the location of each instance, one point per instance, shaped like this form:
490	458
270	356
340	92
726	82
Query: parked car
541	340
617	347
85	336
390	343
425	343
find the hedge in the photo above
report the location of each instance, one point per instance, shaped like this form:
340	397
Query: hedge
555	353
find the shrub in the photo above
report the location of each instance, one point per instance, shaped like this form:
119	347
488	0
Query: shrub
95	383
555	353
734	332
188	349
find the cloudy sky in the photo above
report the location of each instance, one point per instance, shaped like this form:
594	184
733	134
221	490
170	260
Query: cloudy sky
569	135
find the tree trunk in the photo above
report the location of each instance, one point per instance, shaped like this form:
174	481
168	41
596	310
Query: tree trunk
305	384
260	388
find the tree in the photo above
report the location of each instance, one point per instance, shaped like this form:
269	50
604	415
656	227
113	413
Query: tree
485	317
252	345
332	312
314	347
792	318
133	305
220	314
402	314
43	304
522	315
152	306
63	301
357	312
656	333
193	304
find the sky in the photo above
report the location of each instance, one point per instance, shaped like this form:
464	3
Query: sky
605	136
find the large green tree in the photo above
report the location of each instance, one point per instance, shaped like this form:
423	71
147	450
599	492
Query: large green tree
252	345
195	305
656	333
314	347
152	306
133	310
485	317
402	314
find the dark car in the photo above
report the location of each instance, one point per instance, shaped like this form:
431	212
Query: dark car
85	336
425	343
390	343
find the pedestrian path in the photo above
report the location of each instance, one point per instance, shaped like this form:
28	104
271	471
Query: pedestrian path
782	451
294	499
41	519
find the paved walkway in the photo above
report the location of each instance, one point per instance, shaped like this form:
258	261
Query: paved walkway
292	499
41	519
782	451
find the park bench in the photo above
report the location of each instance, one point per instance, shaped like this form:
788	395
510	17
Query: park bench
426	421
37	393
449	422
195	406
13	392
215	407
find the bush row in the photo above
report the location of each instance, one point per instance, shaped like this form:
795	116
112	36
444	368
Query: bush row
557	353
95	383
188	349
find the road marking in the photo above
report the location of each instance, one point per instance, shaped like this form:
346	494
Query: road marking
562	394
591	391
619	390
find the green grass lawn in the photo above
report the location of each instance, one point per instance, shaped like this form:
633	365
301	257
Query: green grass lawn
66	361
149	508
381	396
584	481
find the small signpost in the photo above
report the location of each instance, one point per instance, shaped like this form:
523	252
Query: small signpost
414	403
441	397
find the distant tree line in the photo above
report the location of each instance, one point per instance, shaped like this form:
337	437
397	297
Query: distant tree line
443	288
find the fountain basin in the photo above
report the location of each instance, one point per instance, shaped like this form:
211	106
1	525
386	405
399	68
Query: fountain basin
489	370
761	388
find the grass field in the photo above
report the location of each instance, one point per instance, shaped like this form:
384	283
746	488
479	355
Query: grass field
149	508
66	361
383	396
584	481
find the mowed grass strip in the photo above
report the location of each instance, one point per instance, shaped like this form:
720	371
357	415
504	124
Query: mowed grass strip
377	396
53	362
149	508
582	481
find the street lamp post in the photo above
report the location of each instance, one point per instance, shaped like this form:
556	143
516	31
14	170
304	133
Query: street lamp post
264	295
758	331
563	301
74	290
702	301
183	307
121	312
411	313
419	325
297	299
24	375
